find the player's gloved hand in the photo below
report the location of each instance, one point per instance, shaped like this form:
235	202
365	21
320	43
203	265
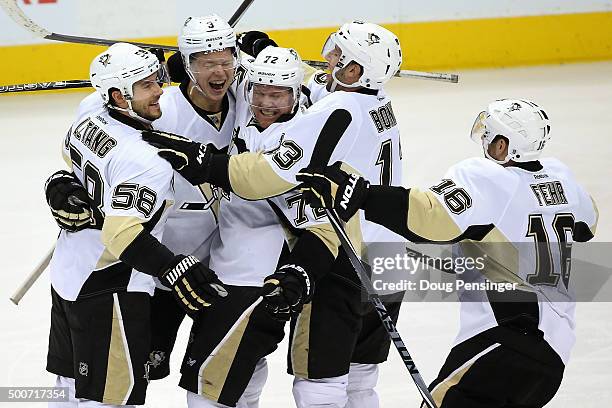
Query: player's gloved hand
194	285
68	200
286	291
333	188
253	42
191	159
176	69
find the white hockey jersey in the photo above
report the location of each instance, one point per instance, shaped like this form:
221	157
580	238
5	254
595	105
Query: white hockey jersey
370	145
128	183
519	216
192	223
251	234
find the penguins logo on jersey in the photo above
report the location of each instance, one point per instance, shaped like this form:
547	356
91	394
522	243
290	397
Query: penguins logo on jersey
105	59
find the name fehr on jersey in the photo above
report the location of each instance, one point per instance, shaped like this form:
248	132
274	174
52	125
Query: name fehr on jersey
530	210
124	177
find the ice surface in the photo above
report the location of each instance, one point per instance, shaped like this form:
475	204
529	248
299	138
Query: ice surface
435	120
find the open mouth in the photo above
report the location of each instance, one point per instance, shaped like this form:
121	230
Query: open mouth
268	112
216	85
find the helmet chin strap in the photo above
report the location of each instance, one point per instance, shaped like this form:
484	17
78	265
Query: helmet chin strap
485	148
131	112
336	81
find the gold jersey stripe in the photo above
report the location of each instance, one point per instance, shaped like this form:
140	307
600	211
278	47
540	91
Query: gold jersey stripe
252	177
428	218
119	375
118	233
300	343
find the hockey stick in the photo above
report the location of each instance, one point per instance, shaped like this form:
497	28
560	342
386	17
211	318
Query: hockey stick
380	308
34	275
453	78
235	18
14	11
45	86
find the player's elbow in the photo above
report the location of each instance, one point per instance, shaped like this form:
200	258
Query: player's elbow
119	232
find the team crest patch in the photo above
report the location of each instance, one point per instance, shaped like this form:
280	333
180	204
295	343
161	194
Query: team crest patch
105	59
83	369
156	358
373	39
514	107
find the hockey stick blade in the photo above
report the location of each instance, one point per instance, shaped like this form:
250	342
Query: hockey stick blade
45	86
380	308
235	18
452	78
14	11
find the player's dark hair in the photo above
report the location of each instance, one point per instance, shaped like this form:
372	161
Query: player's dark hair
111	101
498	137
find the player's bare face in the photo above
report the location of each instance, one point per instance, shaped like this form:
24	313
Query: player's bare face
214	72
332	58
146	98
269	103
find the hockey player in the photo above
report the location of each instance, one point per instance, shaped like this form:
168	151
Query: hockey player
102	277
355	124
252	244
202	108
268	102
511	350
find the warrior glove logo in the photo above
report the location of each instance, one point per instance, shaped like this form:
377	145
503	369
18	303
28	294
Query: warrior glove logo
348	191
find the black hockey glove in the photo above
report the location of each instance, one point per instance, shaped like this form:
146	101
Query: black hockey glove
176	69
194	285
68	200
253	42
286	291
159	53
333	188
194	161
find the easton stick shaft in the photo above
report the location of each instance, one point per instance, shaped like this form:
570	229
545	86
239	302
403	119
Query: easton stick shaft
45	86
404	73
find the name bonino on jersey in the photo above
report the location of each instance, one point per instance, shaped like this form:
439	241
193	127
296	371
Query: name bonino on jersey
447	287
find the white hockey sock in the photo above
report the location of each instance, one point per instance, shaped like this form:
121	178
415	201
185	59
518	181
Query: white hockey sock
361	382
72	401
250	397
197	401
322	393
